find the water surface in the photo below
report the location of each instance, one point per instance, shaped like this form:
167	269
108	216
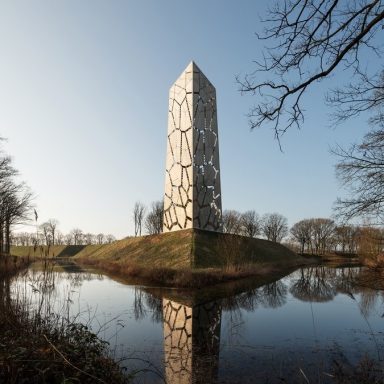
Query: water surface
293	329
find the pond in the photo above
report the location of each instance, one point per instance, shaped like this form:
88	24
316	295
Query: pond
295	329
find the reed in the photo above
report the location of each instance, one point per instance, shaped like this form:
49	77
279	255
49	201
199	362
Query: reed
186	277
41	346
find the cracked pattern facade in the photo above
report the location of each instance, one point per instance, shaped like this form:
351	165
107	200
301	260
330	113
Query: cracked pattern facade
192	196
191	342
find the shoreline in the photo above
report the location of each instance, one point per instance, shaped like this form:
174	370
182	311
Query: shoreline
192	278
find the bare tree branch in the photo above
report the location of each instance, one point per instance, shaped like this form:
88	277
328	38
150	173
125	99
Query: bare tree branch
313	39
361	171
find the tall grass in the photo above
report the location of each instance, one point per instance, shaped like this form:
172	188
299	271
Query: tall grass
9	265
38	345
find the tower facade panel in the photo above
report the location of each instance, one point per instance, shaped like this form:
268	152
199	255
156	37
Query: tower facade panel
192	196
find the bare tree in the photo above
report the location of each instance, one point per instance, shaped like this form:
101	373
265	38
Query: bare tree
110	238
346	237
22	238
45	230
250	224
52	225
59	238
68	239
231	221
100	238
15	202
361	171
15	209
138	216
89	238
370	244
77	236
309	41
274	227
322	233
154	219
302	232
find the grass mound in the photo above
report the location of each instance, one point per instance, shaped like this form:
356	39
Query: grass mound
188	258
189	248
172	250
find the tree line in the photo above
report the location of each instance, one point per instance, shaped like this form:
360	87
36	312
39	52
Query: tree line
316	236
146	219
273	226
48	234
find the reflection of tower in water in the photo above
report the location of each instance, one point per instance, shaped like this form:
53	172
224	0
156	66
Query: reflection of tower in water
191	342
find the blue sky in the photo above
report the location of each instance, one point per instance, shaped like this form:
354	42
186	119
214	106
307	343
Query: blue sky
84	99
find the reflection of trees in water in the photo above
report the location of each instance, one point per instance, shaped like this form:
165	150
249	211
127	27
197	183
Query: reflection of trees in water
314	284
368	301
271	295
145	302
345	279
5	291
371	290
139	309
321	284
76	279
156	306
48	291
274	295
246	300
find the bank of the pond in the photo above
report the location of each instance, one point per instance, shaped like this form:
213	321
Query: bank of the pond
41	348
191	258
187	258
187	277
9	265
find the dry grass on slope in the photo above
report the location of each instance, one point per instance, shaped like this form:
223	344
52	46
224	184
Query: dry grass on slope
172	250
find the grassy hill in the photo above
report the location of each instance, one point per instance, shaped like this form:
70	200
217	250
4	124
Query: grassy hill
189	248
213	249
190	258
172	250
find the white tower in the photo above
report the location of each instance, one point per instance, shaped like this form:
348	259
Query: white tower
192	181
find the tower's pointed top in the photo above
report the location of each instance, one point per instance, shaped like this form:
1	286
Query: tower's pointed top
192	71
192	67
